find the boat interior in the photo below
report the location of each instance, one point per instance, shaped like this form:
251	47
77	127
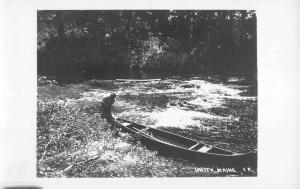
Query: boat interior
175	139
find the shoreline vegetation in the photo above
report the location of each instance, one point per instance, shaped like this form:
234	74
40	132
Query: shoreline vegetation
74	141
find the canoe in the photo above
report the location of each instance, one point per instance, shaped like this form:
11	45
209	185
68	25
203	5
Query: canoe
173	144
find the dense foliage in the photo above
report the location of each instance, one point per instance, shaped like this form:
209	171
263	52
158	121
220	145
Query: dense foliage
112	42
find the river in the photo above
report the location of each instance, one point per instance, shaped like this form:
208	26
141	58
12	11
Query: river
212	108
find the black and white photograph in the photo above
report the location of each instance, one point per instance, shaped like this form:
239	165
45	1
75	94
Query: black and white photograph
146	93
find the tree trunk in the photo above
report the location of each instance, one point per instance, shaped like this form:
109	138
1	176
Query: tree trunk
61	41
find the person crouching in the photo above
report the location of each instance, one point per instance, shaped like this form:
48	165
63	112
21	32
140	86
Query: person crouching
106	105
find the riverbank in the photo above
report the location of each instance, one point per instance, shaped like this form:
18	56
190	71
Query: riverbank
74	141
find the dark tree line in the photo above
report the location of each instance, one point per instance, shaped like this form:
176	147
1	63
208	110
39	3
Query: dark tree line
111	42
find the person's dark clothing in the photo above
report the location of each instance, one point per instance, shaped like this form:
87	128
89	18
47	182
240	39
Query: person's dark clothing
106	106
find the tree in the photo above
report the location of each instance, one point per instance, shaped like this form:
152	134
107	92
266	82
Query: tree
94	42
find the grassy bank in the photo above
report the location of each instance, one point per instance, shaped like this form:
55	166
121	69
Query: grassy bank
74	141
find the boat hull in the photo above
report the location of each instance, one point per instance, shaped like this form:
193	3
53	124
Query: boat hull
173	145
